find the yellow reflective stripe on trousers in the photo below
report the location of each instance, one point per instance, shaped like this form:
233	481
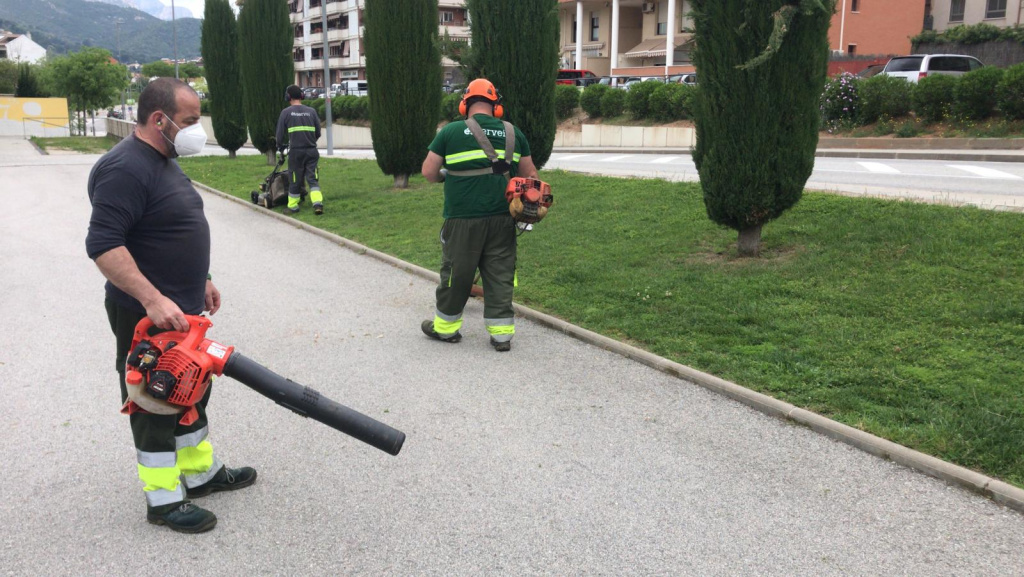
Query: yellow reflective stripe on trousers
445	328
315	196
196	460
160	474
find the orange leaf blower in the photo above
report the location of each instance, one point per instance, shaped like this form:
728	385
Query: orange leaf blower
169	372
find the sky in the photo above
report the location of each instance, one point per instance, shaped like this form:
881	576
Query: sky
196	6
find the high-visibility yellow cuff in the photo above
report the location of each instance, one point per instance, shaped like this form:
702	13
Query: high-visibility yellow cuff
444	328
159	478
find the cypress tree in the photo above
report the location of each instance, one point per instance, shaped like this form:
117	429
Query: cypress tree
403	72
515	46
265	50
28	85
219	45
762	66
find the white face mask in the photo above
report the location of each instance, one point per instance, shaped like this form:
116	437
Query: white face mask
189	140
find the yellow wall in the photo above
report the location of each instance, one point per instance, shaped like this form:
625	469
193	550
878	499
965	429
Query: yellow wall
33	116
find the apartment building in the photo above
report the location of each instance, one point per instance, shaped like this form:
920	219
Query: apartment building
655	38
346	56
945	14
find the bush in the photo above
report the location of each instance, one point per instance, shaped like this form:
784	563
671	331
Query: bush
590	100
346	107
908	129
639	96
318	105
1010	93
450	107
567	100
204	107
337	110
840	103
683	100
613	103
933	97
974	97
663	103
883	95
361	108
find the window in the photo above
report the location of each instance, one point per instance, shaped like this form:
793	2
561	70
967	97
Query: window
855	6
995	9
851	49
446	16
662	19
344	22
574	30
956	10
335	50
595	27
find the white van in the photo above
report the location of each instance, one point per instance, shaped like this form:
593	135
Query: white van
349	88
914	68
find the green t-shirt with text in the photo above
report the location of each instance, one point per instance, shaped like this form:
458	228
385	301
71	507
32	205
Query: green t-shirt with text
475	196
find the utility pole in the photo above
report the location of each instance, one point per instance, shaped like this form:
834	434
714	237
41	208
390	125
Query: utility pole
327	81
174	35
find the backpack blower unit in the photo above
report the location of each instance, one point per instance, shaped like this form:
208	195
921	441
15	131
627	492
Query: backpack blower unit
168	373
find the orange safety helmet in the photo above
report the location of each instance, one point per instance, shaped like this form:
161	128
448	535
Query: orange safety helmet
482	88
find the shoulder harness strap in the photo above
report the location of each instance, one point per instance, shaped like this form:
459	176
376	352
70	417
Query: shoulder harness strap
498	166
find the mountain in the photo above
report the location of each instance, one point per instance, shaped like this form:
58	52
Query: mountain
63	26
151	7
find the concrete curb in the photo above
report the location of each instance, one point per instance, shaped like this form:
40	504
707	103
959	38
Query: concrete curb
998	491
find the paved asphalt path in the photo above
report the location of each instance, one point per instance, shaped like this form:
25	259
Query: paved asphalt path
557	458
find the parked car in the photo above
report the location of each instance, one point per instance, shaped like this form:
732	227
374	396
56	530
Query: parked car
914	68
871	70
577	77
616	81
114	113
688	78
311	92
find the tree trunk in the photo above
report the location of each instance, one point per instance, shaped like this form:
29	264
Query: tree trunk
750	241
401	181
231	154
271	157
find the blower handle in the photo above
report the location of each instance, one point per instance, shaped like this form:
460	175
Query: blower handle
310	403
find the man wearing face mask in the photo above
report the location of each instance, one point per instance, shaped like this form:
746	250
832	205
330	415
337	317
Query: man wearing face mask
149	237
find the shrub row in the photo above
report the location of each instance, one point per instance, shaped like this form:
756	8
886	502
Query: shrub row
979	94
649	100
342	107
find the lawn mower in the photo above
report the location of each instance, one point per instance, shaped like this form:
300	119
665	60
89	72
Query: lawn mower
274	188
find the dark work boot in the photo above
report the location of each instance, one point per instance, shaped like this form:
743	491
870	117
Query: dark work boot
183	517
428	329
225	480
501	347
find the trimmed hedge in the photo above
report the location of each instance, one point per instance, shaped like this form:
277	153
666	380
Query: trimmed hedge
933	97
1010	93
638	98
613	103
450	107
974	96
590	100
884	96
567	100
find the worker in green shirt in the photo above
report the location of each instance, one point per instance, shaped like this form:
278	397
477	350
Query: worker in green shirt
475	158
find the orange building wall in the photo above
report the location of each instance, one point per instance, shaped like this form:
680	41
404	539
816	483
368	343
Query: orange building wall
879	27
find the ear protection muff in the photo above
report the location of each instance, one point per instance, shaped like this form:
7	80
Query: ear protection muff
484	89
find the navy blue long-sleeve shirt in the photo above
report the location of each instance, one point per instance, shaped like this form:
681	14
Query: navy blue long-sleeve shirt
298	127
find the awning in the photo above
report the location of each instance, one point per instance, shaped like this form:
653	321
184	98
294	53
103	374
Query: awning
656	46
586	46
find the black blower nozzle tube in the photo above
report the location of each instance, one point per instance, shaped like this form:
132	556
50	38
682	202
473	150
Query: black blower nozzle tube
310	403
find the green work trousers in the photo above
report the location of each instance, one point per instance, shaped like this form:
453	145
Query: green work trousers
487	244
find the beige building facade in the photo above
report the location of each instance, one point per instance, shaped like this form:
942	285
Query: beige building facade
626	37
945	14
346	56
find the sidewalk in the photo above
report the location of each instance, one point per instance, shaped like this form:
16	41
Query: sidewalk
557	458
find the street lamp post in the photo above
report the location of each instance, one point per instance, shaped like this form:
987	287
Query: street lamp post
327	81
174	35
118	22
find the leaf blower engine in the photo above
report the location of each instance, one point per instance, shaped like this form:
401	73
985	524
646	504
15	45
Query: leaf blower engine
168	373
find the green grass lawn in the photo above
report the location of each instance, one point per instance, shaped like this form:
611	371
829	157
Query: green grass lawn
82	144
905	320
